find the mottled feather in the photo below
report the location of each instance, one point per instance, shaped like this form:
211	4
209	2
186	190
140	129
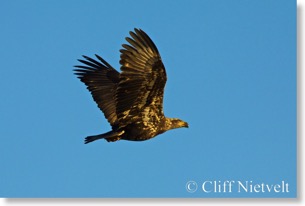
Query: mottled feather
142	68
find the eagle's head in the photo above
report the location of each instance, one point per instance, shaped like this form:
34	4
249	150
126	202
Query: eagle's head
173	123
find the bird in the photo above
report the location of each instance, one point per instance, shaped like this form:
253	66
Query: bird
131	100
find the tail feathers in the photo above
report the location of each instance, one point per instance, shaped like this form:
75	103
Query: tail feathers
111	136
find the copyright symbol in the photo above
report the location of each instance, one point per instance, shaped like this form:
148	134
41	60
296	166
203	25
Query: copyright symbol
191	186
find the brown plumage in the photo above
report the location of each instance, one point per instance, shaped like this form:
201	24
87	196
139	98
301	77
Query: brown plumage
132	101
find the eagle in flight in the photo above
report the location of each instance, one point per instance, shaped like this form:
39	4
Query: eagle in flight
132	101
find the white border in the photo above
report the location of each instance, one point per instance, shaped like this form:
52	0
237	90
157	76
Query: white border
246	201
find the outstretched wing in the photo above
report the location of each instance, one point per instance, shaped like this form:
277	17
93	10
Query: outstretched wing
102	81
142	79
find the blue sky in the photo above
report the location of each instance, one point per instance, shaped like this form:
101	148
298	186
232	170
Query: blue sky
231	69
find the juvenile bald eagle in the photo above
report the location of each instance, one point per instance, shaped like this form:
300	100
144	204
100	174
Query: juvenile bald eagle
132	101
